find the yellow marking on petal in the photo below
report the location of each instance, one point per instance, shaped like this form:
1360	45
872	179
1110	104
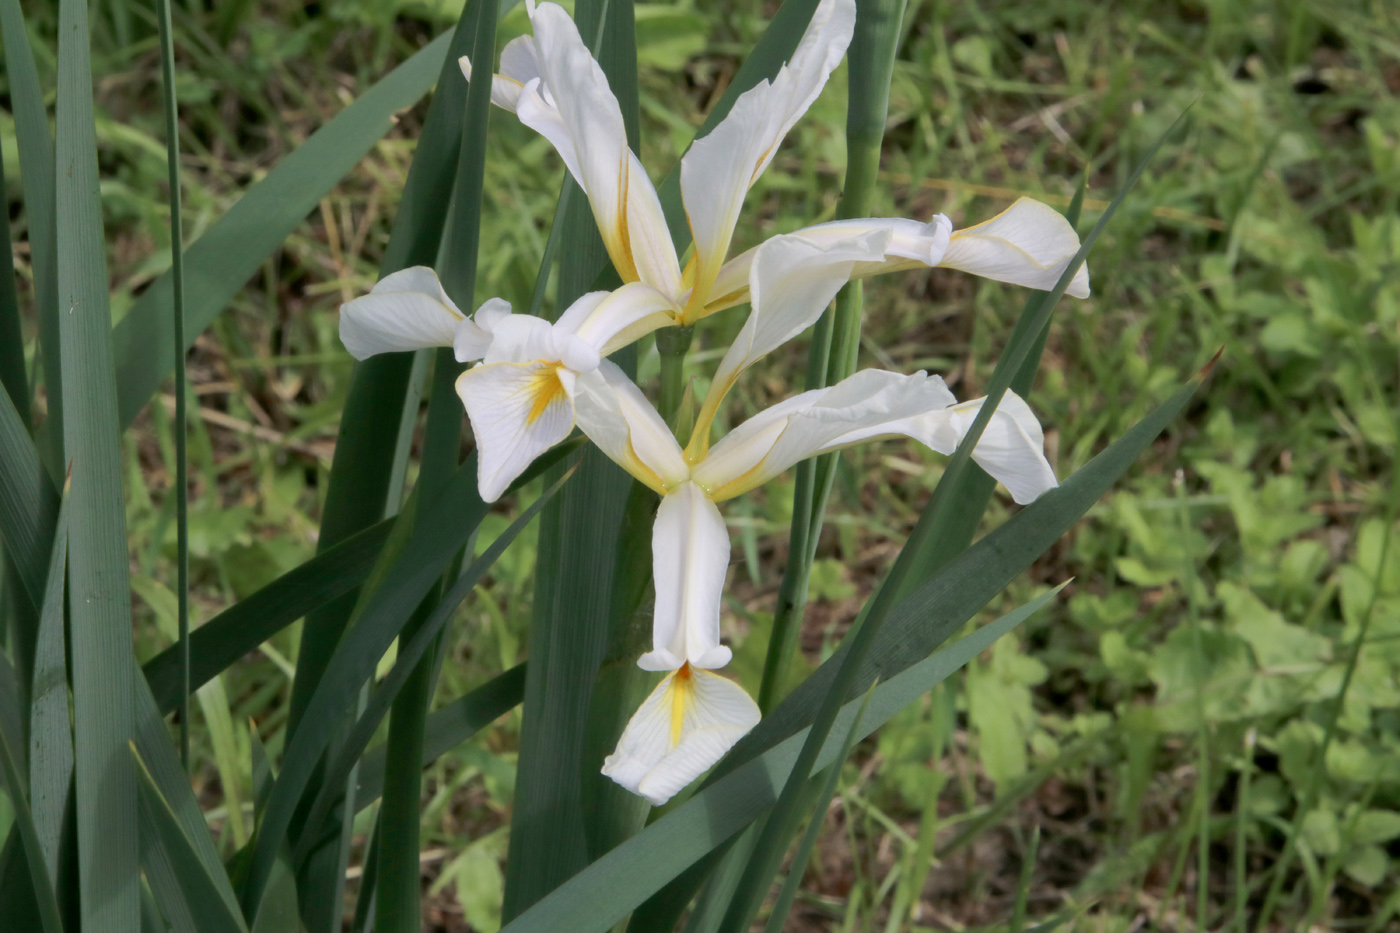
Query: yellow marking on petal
545	388
682	696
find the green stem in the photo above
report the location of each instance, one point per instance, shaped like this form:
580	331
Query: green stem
177	270
836	340
672	343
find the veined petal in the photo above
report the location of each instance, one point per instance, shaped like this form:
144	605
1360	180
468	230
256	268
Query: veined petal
912	244
407	310
574	108
517	412
680	731
791	282
689	557
1011	448
617	417
868	405
610	321
720	167
1028	244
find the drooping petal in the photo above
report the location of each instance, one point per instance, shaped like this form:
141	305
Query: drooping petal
571	105
519	65
1011	448
474	335
1028	244
912	244
680	731
617	417
610	321
407	310
791	282
868	405
517	412
720	167
689	556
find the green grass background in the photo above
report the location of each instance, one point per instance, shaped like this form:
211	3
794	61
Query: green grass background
1139	753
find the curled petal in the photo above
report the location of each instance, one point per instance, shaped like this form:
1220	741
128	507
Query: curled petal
680	731
610	321
407	310
1028	244
690	556
519	65
721	166
474	335
617	418
1011	448
517	412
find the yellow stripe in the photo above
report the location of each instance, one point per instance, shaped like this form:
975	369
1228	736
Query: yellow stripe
545	389
682	695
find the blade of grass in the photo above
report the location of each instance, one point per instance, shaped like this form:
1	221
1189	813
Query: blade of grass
604	892
398	881
50	736
29	839
164	839
108	872
29	503
576	564
36	159
222	260
177	284
14	378
412	649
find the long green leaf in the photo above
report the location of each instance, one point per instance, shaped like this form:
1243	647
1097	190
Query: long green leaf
28	502
108	872
50	735
14	378
29	839
36	159
239	629
576	562
608	889
441	530
448	727
222	260
160	830
409	654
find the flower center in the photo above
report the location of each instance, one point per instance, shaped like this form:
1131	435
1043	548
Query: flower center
545	388
682	690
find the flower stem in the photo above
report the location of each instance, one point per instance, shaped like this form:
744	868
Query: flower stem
672	343
836	339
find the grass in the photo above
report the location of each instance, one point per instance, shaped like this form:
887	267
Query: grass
1218	593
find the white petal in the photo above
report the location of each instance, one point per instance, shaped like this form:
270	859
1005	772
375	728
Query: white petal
1028	244
689	558
912	244
720	167
517	412
406	311
610	321
617	417
522	338
507	86
869	405
791	283
1011	448
680	731
574	108
472	340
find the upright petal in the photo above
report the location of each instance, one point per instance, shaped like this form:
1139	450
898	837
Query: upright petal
680	731
407	310
791	282
519	66
1028	244
572	106
474	335
720	167
689	557
517	412
617	417
870	404
610	321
